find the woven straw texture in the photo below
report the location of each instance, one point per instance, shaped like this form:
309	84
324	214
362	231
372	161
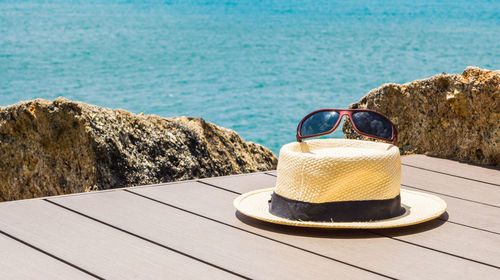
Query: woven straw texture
420	207
326	170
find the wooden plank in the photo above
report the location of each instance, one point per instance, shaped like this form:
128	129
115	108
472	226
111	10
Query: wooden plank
18	261
387	256
272	172
453	239
471	214
233	249
95	247
242	183
450	185
487	174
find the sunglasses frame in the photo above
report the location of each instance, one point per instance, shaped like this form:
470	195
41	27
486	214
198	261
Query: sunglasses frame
348	113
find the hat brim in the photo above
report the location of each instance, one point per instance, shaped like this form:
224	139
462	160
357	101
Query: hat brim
420	207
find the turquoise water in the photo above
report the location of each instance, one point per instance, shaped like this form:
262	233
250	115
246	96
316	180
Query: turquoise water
254	66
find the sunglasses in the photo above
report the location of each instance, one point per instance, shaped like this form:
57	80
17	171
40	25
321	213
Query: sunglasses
365	122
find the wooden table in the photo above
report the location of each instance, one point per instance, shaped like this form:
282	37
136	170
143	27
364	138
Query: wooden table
190	230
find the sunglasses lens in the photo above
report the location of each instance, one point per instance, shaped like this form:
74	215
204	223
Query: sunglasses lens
372	124
319	122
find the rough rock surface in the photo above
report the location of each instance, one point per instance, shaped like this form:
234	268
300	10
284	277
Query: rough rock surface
449	116
59	147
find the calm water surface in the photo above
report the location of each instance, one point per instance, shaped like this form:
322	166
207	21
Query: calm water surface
254	66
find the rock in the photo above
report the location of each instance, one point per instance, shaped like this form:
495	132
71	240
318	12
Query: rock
60	147
448	116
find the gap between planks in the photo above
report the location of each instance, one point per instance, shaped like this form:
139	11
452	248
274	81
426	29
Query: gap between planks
449	174
46	253
145	239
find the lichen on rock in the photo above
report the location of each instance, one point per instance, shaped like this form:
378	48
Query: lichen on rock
60	147
449	116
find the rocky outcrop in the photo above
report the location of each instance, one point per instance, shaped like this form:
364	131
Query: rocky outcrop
449	116
59	147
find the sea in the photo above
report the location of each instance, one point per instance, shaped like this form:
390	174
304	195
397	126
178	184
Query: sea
256	67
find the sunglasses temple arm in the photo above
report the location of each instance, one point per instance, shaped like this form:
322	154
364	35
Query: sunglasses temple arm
299	139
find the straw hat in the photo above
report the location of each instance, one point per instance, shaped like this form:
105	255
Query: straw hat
340	183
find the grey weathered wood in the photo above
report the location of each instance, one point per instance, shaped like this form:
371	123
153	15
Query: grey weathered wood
387	256
272	172
18	261
451	238
243	183
469	213
474	172
95	247
450	185
236	250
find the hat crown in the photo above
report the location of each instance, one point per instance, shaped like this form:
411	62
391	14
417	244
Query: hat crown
329	170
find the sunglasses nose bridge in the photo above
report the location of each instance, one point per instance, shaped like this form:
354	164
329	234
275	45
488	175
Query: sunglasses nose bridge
342	114
339	120
348	117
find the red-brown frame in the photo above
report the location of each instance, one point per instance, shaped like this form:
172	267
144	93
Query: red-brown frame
348	113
